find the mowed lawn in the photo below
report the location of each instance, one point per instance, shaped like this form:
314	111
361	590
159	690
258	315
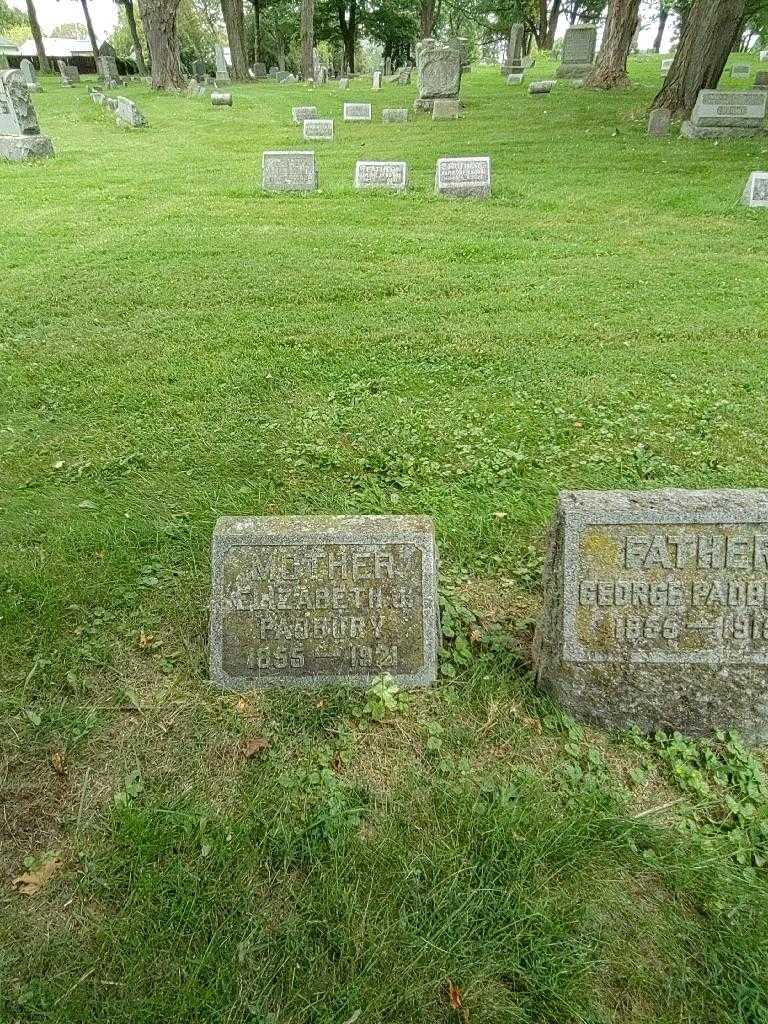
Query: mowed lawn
176	345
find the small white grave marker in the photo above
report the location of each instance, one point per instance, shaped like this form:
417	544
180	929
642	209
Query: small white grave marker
288	171
756	191
319	128
357	111
391	174
463	177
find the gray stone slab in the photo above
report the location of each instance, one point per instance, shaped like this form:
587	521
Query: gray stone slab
357	111
515	79
439	69
222	71
289	170
25	147
741	70
666	64
320	600
692	131
343	83
128	114
319	128
715	108
656	610
376	81
445	110
761	80
465	177
388	174
301	114
27	69
756	190
394	115
658	123
578	56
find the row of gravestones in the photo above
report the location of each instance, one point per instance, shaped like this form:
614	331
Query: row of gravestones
127	114
655	606
322	128
456	177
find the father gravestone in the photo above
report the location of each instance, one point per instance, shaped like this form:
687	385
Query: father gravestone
317	600
20	137
719	114
578	52
656	610
439	68
288	171
466	177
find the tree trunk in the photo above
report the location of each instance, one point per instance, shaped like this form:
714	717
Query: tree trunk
663	15
711	28
611	68
159	17
91	33
348	29
552	19
234	22
37	35
256	30
131	19
307	39
427	18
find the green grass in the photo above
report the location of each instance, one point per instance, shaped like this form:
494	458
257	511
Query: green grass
175	346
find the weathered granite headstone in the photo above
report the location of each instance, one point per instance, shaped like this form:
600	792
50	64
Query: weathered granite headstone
388	66
20	137
318	600
394	115
273	71
221	99
198	69
259	69
541	88
97	97
445	110
756	191
108	72
318	128
222	71
300	114
357	111
286	78
658	123
666	64
578	52
376	82
343	83
404	76
128	114
69	74
761	80
656	610
27	69
288	171
439	68
513	64
741	70
719	114
392	174
515	79
465	177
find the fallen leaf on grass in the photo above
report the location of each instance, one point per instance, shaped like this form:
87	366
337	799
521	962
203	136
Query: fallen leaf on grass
454	998
57	763
254	747
32	882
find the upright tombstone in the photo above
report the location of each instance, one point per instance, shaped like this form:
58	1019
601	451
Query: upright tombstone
4	65
763	56
357	111
198	70
578	52
439	68
27	69
318	128
718	115
513	64
288	171
20	137
761	80
108	72
388	174
259	70
445	110
301	114
222	71
465	177
343	83
69	74
128	114
376	81
273	71
741	70
659	122
756	190
666	64
394	115
404	76
656	610
320	600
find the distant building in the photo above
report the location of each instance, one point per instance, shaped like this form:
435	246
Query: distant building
77	52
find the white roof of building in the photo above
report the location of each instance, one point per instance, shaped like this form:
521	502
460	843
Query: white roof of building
55	46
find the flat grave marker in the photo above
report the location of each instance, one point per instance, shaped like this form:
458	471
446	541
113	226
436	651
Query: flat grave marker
394	115
463	177
301	114
357	111
319	128
389	174
756	190
290	170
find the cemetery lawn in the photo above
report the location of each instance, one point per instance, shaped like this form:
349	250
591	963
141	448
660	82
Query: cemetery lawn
177	346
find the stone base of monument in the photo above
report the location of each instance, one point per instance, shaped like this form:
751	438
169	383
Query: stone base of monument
25	147
574	70
512	69
656	610
693	131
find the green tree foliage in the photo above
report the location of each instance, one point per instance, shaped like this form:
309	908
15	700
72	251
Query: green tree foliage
11	18
70	30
